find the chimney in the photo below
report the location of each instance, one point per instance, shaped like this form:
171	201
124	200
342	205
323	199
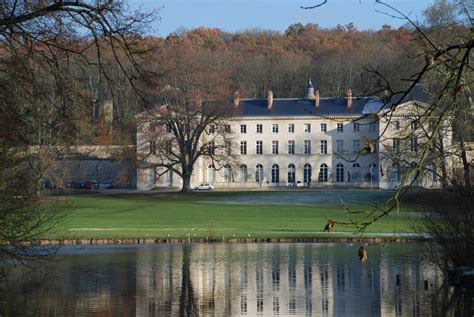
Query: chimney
270	99
316	98
236	99
310	90
349	99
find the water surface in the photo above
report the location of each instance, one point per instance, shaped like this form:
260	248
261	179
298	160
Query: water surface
232	280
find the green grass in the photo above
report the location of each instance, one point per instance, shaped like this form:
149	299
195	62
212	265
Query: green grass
175	215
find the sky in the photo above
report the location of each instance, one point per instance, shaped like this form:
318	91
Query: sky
239	15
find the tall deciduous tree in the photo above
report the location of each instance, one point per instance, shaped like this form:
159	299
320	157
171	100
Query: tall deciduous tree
41	100
189	120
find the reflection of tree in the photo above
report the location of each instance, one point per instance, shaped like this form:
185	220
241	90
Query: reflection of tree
454	302
187	304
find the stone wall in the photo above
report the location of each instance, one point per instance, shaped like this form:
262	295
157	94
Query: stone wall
96	163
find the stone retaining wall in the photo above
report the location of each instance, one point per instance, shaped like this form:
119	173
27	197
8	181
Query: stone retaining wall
105	241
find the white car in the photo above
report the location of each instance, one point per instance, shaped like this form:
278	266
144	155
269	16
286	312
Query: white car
204	186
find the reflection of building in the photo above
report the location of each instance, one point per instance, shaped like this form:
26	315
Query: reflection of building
278	279
297	142
233	280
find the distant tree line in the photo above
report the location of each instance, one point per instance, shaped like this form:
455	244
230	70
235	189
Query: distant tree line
256	61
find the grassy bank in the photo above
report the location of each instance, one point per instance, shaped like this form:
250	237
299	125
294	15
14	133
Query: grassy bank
213	215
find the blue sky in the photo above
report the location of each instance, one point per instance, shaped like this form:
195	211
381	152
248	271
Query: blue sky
238	15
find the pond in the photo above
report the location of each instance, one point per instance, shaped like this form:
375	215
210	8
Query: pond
232	280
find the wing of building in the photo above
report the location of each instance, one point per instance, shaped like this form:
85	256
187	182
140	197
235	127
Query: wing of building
313	142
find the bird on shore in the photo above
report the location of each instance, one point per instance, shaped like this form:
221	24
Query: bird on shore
329	226
362	254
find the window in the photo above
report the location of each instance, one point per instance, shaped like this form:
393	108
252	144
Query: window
243	128
414	144
168	147
259	148
259	173
291	147
259	128
291	173
152	147
395	172
307	127
243	173
339	173
274	147
227	128
211	148
307	174
396	145
355	146
243	147
373	171
169	177
323	173
151	176
324	147
340	127
275	174
339	146
356	172
432	173
373	127
210	173
396	125
356	126
228	148
414	125
212	129
324	127
307	146
274	128
228	174
291	128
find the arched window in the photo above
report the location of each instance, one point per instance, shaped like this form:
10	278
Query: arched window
151	176
210	173
339	172
395	172
356	172
307	173
433	175
243	173
374	172
275	174
259	173
323	173
291	173
228	174
169	177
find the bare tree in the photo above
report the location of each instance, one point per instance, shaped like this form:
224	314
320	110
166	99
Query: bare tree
190	119
41	99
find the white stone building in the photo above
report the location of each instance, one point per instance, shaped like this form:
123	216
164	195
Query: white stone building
301	142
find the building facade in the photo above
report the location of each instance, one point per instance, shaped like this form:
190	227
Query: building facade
300	142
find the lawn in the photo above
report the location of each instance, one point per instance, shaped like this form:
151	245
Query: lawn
215	215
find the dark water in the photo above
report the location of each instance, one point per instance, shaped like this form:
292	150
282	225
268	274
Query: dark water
234	280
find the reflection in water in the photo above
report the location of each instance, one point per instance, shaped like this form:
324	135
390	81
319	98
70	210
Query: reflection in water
235	280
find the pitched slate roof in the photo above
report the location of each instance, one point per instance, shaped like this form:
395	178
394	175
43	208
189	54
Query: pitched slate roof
306	107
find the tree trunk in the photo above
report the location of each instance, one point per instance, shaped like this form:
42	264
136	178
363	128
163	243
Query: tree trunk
186	183
444	172
466	167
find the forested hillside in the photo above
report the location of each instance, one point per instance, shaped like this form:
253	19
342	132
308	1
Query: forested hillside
255	61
